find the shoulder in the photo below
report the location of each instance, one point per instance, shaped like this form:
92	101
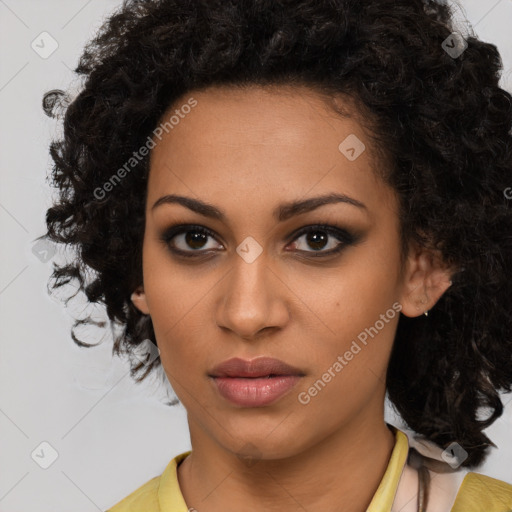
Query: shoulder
161	492
144	498
481	493
458	490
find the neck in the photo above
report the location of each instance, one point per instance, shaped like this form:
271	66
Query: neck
344	468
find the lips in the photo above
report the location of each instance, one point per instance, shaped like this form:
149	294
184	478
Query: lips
256	383
260	367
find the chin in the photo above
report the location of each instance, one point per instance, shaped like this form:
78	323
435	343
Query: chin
263	444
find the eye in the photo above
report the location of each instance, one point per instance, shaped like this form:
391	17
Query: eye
185	240
182	238
317	237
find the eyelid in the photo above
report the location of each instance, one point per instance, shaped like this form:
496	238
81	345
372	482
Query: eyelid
179	229
345	236
338	232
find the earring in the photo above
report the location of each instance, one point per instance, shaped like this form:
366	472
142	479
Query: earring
424	301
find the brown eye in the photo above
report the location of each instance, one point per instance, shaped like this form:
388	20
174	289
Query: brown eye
195	239
188	239
319	238
316	240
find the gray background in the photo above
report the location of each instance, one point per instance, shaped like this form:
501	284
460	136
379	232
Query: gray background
110	434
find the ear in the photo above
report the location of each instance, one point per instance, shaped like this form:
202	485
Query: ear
426	278
139	300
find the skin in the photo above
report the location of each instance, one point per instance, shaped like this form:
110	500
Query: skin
246	152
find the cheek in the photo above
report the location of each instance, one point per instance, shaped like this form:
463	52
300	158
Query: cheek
171	299
171	291
356	295
350	373
361	313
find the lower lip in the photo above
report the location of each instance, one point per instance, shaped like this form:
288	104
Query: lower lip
255	392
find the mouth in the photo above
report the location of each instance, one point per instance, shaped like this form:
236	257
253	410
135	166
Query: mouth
254	383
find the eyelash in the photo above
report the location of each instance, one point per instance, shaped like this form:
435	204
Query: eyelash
346	238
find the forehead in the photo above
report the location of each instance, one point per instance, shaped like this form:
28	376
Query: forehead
262	141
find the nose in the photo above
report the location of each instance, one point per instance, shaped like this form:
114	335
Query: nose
253	299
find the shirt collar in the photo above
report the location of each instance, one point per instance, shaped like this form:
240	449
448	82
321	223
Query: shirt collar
170	497
169	492
383	498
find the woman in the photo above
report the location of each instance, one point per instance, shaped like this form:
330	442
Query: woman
302	205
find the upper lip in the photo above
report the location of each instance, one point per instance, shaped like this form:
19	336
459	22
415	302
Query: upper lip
259	367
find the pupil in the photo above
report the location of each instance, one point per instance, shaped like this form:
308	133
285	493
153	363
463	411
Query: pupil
191	240
314	239
196	240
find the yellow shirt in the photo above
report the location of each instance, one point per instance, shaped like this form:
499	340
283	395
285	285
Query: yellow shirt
477	493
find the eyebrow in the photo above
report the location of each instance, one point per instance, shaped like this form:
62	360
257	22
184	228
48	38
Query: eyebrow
281	213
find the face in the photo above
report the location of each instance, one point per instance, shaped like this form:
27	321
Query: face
250	276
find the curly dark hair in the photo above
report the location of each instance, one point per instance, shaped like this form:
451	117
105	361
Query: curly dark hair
442	121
